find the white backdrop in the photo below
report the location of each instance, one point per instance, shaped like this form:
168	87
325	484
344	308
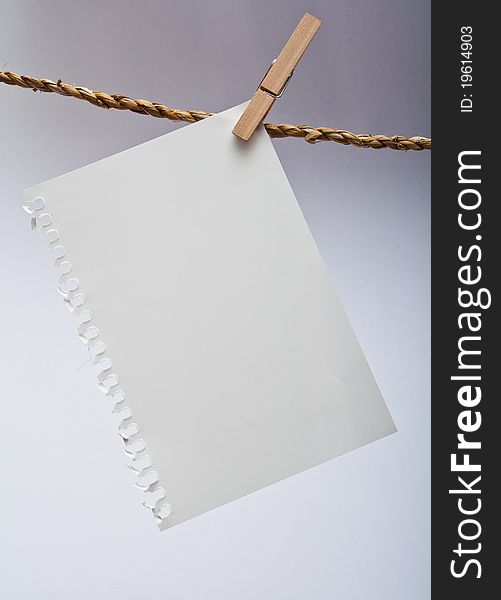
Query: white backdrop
71	524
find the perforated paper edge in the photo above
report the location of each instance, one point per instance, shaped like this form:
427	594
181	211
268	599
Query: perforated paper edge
139	461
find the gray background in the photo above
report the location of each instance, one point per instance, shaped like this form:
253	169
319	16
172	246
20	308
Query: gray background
356	528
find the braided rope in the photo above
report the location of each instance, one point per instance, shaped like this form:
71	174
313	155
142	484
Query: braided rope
154	109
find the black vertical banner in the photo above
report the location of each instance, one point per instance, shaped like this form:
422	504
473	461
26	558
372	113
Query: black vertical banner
466	257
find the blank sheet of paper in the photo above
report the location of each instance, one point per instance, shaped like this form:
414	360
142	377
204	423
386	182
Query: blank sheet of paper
229	342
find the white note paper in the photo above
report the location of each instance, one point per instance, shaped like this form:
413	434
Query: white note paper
235	356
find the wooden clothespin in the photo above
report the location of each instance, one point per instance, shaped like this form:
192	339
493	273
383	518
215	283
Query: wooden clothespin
277	77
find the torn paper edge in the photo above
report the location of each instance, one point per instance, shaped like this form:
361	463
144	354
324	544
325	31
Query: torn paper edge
140	463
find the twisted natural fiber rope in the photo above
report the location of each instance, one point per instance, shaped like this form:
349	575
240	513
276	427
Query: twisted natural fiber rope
146	107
